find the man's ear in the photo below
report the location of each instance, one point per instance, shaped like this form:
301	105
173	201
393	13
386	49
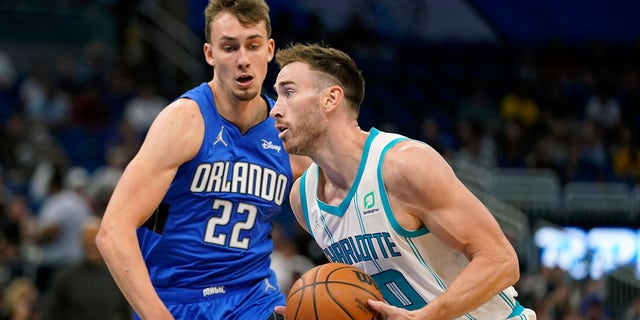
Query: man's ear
208	54
334	97
272	49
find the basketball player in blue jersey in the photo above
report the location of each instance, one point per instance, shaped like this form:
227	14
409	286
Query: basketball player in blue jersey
186	234
388	204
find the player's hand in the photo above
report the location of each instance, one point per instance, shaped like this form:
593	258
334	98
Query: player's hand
280	310
390	312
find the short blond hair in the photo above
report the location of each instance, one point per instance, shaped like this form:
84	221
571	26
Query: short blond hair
337	67
247	11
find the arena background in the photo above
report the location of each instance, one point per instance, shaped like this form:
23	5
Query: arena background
536	104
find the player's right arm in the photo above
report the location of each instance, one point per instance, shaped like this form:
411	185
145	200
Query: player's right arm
173	138
296	204
439	201
296	207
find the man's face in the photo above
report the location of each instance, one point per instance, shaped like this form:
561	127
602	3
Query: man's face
299	109
239	54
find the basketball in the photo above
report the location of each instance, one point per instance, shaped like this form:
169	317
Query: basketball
332	291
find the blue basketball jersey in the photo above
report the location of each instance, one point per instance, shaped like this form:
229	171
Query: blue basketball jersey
212	229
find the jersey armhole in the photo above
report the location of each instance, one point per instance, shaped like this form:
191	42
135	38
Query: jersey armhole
385	199
303	201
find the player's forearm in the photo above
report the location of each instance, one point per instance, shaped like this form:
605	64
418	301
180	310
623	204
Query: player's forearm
124	260
474	286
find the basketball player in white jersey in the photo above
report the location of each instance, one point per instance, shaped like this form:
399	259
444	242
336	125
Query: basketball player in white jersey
388	204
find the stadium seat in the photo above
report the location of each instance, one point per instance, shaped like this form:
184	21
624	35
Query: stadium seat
536	191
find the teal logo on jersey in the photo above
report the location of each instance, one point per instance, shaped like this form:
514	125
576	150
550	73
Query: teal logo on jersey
369	204
369	200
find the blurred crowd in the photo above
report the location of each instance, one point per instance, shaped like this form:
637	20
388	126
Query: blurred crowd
70	123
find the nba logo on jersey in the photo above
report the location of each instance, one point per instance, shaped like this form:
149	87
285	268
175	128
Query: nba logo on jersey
369	204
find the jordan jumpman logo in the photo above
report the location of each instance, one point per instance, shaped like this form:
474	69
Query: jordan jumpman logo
219	138
268	285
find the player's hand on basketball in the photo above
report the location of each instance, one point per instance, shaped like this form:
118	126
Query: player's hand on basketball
390	312
280	310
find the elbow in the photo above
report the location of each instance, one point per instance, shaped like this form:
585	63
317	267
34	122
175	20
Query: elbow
103	240
506	267
511	268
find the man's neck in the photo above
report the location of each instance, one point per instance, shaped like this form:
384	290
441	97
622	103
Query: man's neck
244	114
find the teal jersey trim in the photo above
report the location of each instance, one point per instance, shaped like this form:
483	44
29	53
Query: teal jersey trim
303	201
342	208
385	199
517	310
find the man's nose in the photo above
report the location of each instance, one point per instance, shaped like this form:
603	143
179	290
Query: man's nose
243	58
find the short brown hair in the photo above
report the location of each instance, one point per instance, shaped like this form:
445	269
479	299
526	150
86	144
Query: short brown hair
247	11
335	64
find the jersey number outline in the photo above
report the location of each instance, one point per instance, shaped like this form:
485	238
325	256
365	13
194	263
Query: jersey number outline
397	291
226	207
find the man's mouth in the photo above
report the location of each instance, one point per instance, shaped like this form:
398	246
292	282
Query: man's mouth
244	80
281	128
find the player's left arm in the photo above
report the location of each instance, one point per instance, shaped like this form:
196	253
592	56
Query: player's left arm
423	189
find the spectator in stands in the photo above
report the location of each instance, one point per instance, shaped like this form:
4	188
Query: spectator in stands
632	312
588	158
479	106
513	145
9	98
64	71
286	260
549	153
593	299
595	310
33	90
432	133
626	156
603	108
475	146
104	179
42	99
521	120
518	106
572	314
140	110
86	290
19	300
58	228
15	222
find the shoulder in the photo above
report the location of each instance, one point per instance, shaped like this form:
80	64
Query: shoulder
411	162
181	114
411	152
182	106
176	133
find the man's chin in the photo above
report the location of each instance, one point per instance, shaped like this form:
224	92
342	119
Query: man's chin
245	95
295	150
288	148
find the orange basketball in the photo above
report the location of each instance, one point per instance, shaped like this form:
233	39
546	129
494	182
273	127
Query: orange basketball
332	291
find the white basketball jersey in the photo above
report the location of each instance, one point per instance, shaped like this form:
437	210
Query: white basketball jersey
411	267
